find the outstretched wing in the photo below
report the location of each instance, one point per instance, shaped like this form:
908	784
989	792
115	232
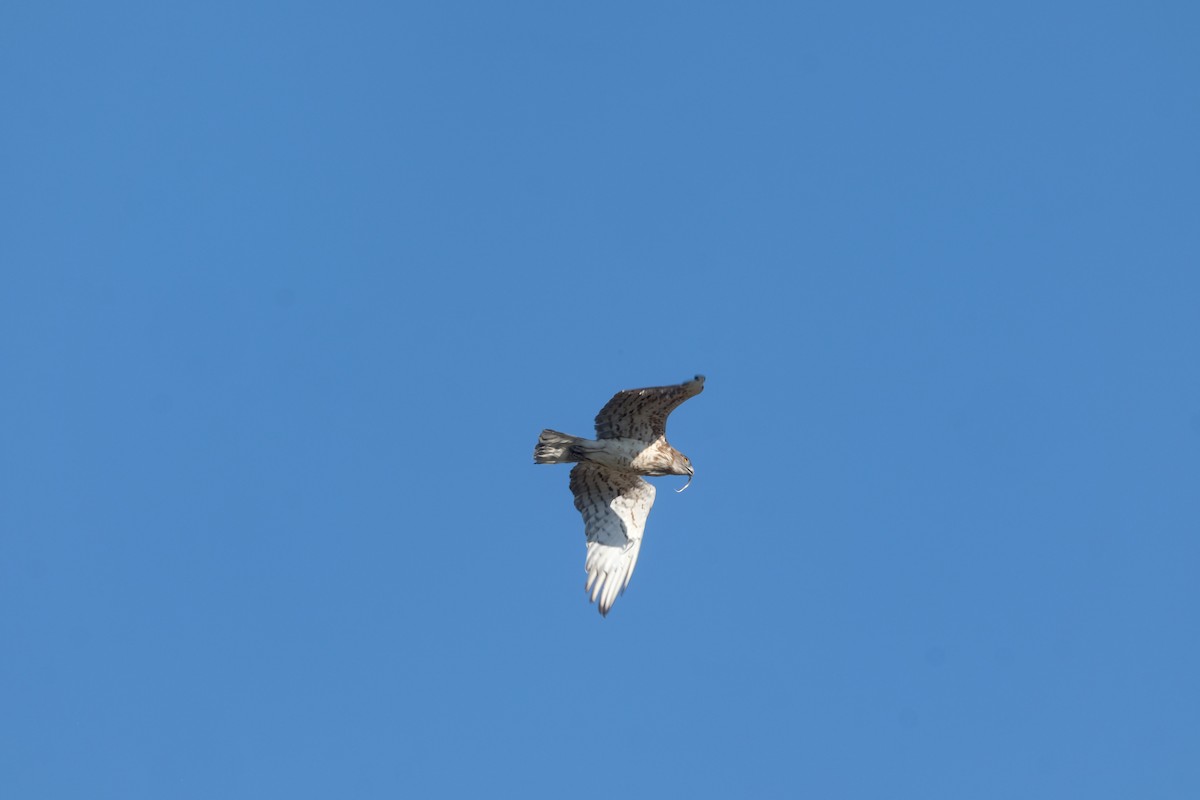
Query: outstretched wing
642	413
614	506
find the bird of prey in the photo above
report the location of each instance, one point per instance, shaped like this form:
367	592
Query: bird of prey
631	441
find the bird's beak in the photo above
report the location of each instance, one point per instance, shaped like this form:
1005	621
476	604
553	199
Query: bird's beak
691	474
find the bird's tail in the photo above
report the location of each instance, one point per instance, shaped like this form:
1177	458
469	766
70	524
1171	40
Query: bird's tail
557	448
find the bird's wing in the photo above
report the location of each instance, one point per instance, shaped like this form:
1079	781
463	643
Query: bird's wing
614	506
642	413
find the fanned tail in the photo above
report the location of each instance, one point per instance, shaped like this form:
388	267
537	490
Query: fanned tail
556	448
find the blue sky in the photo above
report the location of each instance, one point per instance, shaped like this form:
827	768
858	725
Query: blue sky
290	289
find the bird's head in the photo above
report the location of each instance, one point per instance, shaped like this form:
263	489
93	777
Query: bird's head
682	465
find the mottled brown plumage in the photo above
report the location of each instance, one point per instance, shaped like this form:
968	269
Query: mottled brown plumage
631	441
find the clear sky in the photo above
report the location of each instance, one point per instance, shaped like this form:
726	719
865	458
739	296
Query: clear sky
289	290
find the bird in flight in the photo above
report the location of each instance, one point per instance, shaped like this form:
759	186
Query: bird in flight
631	441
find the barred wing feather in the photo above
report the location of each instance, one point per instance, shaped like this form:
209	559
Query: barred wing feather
642	413
614	506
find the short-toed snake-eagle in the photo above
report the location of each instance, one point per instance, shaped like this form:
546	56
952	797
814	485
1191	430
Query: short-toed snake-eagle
631	441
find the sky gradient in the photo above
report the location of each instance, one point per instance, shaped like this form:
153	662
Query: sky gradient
291	288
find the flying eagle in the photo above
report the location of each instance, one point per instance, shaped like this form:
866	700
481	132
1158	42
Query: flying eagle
631	440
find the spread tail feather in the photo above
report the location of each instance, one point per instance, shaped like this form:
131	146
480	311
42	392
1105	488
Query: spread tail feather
556	448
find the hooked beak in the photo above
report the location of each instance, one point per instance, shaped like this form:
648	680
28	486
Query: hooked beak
691	474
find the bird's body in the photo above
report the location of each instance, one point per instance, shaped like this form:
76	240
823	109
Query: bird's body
609	492
624	455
